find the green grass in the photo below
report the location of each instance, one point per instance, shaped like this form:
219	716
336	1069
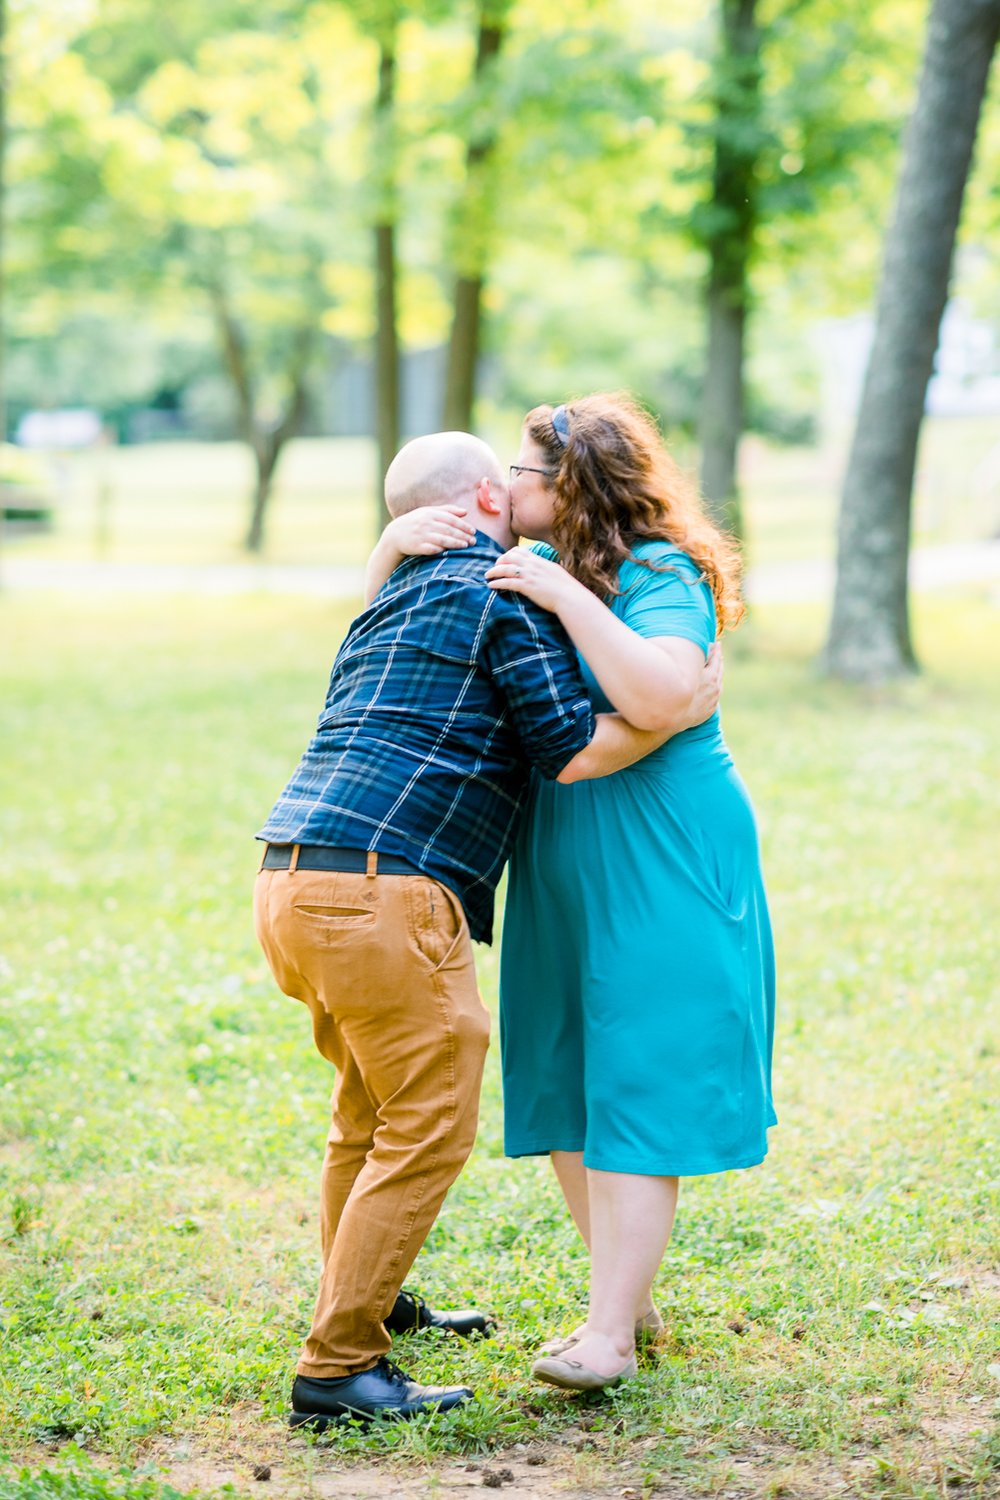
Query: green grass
77	1479
831	1317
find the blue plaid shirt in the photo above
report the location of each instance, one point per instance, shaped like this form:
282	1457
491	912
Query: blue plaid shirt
442	697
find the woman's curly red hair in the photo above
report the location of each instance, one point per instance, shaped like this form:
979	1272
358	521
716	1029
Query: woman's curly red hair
615	485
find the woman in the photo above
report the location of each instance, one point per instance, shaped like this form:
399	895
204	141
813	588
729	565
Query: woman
637	976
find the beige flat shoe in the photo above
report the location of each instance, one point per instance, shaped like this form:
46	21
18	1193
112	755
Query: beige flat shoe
552	1347
570	1375
649	1326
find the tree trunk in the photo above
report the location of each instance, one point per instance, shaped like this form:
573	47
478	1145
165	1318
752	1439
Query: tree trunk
387	360
234	357
721	416
731	223
3	216
237	365
268	444
3	237
870	630
266	459
3	221
264	443
463	345
463	355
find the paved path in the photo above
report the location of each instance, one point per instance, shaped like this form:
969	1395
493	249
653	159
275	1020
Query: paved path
930	568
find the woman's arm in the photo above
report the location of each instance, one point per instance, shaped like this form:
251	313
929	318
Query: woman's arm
651	682
417	533
616	744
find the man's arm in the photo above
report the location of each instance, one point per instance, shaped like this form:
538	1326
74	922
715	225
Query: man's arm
532	663
647	676
617	744
527	654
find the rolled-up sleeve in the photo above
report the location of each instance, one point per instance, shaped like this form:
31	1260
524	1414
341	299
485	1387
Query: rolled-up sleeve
533	664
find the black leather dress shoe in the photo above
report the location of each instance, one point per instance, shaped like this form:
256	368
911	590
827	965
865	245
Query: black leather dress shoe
411	1313
382	1391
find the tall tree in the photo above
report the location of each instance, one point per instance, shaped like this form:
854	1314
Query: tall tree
870	629
241	223
387	356
265	435
548	184
730	222
191	174
471	230
3	218
790	120
232	202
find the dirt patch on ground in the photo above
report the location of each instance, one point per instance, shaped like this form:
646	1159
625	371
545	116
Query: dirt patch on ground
543	1472
531	1476
573	1469
984	1279
268	1462
292	1469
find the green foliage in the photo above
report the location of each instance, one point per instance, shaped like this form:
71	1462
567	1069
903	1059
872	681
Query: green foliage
80	1480
162	1112
154	151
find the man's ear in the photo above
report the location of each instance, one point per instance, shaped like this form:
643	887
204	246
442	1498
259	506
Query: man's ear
485	500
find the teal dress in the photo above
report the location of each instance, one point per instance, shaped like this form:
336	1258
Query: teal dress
637	964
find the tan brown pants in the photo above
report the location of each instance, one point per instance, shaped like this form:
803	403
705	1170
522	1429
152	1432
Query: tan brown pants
384	963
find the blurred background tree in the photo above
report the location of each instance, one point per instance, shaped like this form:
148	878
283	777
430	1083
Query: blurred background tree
475	216
3	215
373	217
789	119
870	630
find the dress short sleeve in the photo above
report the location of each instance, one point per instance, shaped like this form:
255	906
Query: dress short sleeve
667	600
544	550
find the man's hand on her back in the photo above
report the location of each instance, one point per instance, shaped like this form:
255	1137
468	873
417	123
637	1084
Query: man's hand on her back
708	692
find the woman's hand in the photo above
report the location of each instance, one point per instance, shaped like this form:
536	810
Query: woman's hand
429	529
652	681
417	533
521	571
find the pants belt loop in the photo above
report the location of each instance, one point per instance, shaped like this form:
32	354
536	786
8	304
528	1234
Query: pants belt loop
371	869
293	863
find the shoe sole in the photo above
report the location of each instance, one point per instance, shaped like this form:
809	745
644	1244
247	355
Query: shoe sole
645	1334
586	1380
488	1332
317	1422
320	1421
569	1384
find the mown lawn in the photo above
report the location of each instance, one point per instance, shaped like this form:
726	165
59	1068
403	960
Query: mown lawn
832	1317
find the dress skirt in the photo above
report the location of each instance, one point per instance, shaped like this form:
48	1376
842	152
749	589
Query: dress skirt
637	964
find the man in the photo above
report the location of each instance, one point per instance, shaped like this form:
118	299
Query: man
383	855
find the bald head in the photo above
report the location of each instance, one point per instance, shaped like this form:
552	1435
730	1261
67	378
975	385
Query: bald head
443	468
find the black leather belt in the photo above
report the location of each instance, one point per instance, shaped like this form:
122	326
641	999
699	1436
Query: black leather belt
325	857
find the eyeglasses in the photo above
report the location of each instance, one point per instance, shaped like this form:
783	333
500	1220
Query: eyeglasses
516	469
